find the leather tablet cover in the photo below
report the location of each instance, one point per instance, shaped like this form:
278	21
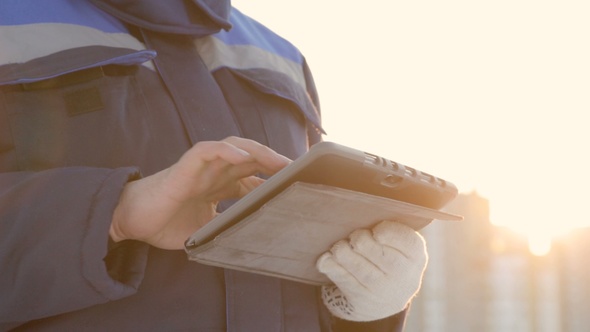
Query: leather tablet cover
285	237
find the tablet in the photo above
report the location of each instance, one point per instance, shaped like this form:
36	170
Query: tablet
335	165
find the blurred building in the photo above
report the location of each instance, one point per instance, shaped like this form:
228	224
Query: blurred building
573	254
483	278
456	292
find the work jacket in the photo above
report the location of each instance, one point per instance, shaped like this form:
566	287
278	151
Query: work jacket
94	94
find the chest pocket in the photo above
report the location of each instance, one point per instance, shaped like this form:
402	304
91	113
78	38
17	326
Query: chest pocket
110	116
67	120
271	109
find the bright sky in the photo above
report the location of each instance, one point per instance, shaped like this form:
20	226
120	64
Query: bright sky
490	95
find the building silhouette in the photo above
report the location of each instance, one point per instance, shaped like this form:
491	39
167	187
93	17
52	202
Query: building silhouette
455	293
572	255
481	277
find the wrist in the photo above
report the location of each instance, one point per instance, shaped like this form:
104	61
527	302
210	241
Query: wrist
114	234
114	230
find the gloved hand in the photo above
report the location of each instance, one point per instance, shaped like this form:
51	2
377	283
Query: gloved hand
375	273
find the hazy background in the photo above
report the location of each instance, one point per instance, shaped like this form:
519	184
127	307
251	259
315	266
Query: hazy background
490	95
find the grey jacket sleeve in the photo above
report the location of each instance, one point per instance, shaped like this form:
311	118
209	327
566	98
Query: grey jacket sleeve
54	242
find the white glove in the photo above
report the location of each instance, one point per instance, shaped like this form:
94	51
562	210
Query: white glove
375	274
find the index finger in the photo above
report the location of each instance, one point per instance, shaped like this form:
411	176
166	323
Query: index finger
269	160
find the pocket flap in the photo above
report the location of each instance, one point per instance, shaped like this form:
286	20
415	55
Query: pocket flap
280	85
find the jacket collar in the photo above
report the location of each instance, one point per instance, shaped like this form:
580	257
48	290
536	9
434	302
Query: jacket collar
196	18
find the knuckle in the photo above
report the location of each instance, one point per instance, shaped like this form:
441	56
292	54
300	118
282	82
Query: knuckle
360	238
340	248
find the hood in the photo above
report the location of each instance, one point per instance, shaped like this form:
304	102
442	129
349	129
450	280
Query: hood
196	18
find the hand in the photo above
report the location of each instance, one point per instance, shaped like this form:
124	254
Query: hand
375	273
164	209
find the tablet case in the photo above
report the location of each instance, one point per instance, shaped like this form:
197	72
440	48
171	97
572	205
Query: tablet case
284	225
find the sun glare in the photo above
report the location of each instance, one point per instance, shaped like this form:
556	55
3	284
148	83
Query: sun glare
539	245
541	214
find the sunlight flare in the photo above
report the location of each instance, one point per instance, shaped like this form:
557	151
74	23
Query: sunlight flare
539	245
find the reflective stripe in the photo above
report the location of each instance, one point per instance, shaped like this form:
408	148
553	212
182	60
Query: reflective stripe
247	31
81	13
31	41
38	40
217	54
250	45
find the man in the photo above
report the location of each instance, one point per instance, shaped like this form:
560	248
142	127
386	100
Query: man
127	125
